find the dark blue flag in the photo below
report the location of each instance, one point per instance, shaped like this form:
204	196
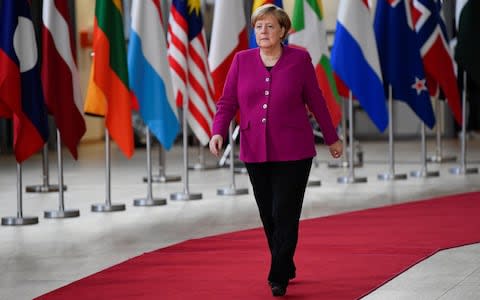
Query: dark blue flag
20	86
400	59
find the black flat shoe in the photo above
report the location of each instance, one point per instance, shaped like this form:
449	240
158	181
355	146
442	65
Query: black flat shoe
278	290
290	277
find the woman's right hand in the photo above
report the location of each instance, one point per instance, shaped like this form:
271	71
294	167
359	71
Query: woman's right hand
216	143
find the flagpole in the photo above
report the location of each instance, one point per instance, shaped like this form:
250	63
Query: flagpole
343	163
351	176
390	175
46	187
226	153
185	195
462	169
438	157
19	219
162	177
232	190
149	200
201	165
61	212
107	206
423	172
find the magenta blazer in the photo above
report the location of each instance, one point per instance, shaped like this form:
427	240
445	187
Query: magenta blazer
274	124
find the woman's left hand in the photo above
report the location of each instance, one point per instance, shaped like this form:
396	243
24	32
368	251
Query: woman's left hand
336	149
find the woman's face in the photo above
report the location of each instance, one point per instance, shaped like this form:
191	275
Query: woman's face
268	32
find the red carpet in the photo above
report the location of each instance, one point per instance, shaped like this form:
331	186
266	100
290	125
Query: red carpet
344	256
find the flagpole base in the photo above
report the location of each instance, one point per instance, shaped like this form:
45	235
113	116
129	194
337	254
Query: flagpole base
314	182
242	170
43	188
391	176
61	214
163	178
463	171
441	159
342	164
103	207
424	174
15	221
351	179
185	196
231	191
149	202
202	167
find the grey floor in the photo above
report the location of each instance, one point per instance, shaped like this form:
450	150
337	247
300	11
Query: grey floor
39	258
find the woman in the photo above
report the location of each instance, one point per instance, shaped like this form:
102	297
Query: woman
272	86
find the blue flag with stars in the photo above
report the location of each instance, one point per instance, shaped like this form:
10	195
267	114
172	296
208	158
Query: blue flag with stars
400	58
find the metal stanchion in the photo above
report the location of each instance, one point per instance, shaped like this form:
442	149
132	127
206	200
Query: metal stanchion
226	153
351	175
343	162
149	200
423	172
162	177
201	165
19	219
185	195
45	187
462	169
238	167
232	189
390	175
439	157
107	206
61	212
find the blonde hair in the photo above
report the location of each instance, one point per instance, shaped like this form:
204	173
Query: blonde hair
273	10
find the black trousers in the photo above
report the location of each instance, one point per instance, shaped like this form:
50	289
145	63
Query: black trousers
473	121
279	188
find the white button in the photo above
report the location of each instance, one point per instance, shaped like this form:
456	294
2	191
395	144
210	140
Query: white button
267	79
267	93
264	120
264	106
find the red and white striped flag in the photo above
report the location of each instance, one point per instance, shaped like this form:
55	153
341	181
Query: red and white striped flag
60	80
187	55
229	35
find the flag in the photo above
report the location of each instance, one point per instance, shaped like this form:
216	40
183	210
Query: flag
187	55
308	32
467	19
108	91
64	100
400	58
437	60
149	71
256	4
355	59
20	86
229	35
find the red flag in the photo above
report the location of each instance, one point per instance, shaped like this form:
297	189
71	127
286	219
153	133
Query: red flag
229	35
63	100
437	60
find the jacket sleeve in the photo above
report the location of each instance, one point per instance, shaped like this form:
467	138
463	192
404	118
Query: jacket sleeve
316	102
227	105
